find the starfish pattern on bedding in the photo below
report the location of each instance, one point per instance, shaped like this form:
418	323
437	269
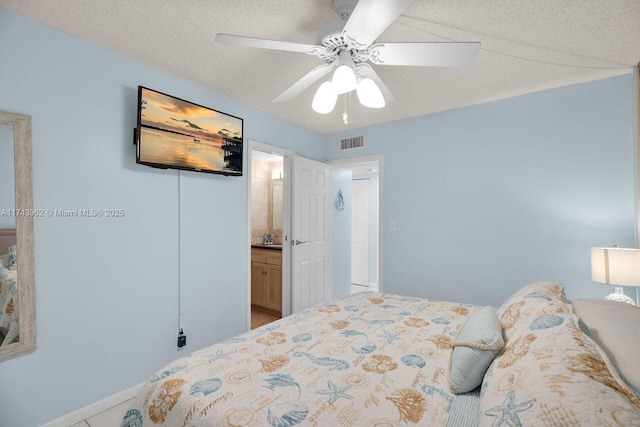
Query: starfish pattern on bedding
334	392
508	412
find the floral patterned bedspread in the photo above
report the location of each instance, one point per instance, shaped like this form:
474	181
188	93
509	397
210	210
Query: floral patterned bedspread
369	359
8	306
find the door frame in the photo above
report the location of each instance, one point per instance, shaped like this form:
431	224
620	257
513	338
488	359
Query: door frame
366	159
286	223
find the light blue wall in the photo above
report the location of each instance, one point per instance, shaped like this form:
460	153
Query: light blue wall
491	197
341	245
107	288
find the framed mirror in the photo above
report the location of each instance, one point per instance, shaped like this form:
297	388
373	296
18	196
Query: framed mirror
17	294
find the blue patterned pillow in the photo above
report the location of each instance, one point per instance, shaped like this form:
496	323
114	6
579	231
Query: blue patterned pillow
478	343
13	257
530	302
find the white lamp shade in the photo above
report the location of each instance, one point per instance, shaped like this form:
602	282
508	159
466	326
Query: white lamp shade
615	266
344	79
325	98
369	94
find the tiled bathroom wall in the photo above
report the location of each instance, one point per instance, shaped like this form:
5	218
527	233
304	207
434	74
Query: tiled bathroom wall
264	179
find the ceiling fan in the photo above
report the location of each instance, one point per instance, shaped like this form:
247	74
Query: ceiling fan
349	44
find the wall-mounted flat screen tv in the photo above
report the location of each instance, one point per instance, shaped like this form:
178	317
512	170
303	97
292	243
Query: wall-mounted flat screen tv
176	134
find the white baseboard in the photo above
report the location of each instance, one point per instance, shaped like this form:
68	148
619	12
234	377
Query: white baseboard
95	408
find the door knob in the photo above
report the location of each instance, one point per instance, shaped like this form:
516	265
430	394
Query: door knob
298	242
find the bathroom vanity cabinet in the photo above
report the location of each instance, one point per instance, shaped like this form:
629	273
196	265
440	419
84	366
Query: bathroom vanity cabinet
266	279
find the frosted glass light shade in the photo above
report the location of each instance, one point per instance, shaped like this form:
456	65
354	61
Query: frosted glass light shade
369	94
344	79
325	98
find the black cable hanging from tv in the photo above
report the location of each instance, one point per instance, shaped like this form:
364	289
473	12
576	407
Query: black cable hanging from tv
182	339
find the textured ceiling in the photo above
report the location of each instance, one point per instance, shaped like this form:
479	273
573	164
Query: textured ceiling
527	46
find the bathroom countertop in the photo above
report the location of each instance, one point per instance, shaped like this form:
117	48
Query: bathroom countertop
270	247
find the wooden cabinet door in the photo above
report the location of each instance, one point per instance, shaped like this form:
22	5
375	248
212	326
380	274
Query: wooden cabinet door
258	284
266	279
274	287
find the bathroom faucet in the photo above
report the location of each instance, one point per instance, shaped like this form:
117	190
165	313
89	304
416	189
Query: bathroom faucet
267	239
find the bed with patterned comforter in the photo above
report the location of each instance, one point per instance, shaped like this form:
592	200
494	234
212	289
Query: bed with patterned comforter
374	359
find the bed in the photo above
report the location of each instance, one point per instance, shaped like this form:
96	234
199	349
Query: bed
374	359
8	287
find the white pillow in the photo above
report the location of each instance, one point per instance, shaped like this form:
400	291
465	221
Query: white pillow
615	327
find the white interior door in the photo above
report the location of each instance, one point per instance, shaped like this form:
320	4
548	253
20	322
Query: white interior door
310	234
360	232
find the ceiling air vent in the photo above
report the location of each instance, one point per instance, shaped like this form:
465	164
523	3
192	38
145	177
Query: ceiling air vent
351	142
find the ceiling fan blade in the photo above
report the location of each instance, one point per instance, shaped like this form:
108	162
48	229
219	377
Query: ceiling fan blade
425	54
268	44
370	18
365	70
307	80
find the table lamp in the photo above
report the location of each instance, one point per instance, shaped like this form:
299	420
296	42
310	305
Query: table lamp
616	266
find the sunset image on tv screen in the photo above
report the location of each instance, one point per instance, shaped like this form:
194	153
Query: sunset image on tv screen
178	134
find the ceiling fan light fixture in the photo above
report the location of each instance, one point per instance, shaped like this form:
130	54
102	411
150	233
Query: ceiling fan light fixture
344	79
325	98
369	94
345	47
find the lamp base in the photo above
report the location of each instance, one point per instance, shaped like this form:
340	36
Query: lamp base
619	296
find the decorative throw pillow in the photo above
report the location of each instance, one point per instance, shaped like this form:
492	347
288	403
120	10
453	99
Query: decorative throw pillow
552	373
13	257
8	308
4	260
475	347
12	333
530	302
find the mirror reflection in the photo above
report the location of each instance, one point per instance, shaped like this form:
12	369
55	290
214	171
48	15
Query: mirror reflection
276	205
9	330
17	287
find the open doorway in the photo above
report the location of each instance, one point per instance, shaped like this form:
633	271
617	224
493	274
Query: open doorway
365	254
266	238
364	227
305	235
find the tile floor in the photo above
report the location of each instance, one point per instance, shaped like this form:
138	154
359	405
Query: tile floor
109	418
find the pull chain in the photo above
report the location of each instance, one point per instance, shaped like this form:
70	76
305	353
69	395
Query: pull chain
345	115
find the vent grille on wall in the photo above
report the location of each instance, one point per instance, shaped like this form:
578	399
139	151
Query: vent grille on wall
352	142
